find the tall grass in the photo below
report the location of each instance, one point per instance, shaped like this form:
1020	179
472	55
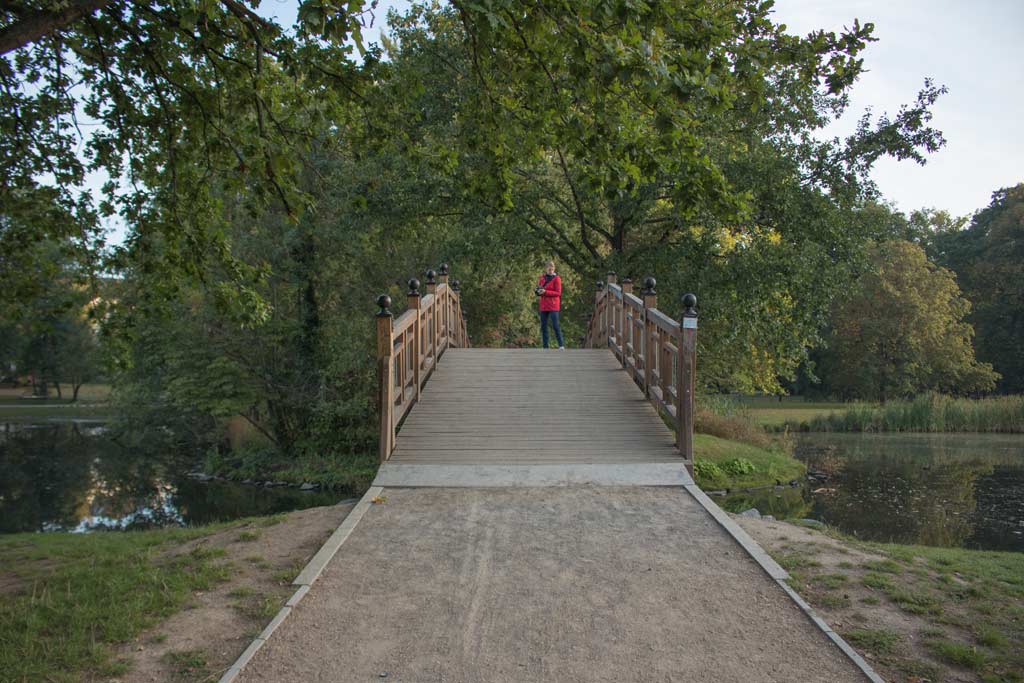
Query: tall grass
727	418
927	413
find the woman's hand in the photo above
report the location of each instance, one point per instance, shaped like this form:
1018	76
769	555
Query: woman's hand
539	291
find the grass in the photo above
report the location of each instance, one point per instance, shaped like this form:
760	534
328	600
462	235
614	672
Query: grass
875	641
91	404
83	594
347	473
189	665
959	609
720	463
958	654
773	414
926	413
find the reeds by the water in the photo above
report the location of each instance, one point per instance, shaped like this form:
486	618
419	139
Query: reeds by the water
928	413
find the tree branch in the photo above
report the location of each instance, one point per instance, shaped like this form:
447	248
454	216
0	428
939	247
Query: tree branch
42	23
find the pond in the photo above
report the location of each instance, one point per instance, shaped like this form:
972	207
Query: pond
73	477
950	490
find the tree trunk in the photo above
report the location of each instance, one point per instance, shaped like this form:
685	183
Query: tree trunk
31	27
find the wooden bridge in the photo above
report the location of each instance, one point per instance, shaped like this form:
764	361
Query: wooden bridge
536	406
534	519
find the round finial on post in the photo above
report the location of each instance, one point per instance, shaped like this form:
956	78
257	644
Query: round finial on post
649	284
384	301
414	287
443	269
430	277
455	285
689	305
627	281
600	285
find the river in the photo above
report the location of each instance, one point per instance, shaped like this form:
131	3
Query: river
73	477
950	490
959	490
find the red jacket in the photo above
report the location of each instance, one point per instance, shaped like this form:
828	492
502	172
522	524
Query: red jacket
551	299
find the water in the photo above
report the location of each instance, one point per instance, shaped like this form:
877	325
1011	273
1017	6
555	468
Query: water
950	490
73	477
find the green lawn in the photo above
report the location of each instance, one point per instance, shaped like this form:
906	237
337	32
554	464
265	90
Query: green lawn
769	412
68	599
91	404
956	609
720	463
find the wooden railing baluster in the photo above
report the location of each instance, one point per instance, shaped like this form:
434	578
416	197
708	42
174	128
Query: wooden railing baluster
409	347
625	323
658	352
413	299
648	356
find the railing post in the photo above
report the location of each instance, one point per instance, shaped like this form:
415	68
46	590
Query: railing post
625	330
686	371
413	299
442	278
611	316
456	308
432	313
650	299
385	351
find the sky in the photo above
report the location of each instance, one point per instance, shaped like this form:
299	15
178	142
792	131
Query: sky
973	48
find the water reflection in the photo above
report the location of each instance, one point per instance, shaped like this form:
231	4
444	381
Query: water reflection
72	477
953	490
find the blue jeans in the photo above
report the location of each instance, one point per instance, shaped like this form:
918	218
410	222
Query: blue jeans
545	316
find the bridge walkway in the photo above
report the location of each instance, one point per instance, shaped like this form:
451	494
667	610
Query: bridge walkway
531	407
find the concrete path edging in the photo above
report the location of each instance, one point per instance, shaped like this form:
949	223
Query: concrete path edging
407	475
780	576
306	578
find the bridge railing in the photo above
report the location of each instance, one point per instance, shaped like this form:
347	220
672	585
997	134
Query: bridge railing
410	346
659	353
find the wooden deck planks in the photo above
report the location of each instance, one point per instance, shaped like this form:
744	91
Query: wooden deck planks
532	406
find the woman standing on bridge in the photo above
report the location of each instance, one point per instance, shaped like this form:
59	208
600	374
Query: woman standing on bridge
549	289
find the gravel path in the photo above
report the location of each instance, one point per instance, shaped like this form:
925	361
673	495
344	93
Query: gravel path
548	584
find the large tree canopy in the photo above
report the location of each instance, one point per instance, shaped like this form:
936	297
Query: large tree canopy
901	331
177	104
677	139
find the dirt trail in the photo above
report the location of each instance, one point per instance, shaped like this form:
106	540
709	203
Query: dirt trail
202	641
548	584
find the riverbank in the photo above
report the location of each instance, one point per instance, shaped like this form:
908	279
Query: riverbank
724	464
349	474
916	613
168	605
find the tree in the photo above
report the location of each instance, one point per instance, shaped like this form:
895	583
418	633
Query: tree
176	104
902	331
988	258
674	139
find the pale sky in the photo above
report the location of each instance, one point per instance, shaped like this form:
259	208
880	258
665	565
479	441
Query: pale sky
973	48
